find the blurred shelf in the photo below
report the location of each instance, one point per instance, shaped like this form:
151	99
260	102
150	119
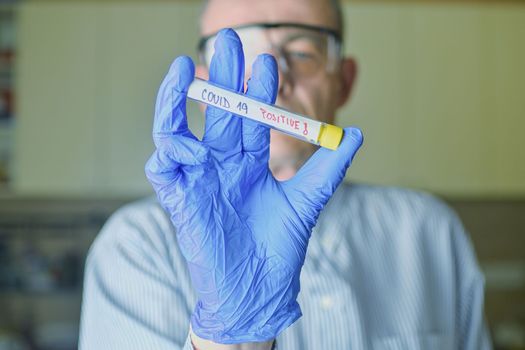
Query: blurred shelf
8	6
53	293
31	225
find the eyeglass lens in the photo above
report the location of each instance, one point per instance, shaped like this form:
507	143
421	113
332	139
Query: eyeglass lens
299	52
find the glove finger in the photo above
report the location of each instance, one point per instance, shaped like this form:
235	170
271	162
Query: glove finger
171	154
170	107
222	129
313	185
263	86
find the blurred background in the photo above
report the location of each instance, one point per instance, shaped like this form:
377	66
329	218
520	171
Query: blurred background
440	97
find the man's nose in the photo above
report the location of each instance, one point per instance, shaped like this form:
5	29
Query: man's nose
285	77
283	70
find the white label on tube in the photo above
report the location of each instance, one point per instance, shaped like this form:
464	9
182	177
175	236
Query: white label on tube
278	118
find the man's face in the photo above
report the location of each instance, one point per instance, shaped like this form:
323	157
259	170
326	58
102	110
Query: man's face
317	96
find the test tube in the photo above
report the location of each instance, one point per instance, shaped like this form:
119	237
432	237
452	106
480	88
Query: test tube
299	126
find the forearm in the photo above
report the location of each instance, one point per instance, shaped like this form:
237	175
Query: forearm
203	344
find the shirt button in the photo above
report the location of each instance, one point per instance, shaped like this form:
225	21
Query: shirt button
327	302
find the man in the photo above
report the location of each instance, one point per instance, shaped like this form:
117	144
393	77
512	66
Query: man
218	267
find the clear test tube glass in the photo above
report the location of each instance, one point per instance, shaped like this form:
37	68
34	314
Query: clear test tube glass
304	128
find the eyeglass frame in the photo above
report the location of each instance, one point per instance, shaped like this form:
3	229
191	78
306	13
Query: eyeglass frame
334	33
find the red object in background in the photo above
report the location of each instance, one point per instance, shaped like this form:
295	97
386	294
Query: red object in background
7	56
6	103
6	92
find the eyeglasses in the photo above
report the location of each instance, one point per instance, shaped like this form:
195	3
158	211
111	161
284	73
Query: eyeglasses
301	50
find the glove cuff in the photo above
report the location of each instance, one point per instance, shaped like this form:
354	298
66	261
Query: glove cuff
256	331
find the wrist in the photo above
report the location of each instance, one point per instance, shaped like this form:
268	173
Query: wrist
247	324
199	343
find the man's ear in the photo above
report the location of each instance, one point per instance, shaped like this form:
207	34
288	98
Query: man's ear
201	72
348	75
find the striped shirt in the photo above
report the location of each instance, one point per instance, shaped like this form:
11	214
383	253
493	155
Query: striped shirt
386	268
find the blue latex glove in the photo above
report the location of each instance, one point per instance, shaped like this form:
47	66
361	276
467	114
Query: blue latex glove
243	233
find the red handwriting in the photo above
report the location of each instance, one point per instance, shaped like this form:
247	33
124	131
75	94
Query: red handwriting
283	120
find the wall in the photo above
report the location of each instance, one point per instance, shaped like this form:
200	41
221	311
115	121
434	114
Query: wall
440	94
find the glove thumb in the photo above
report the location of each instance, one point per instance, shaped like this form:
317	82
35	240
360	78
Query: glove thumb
313	185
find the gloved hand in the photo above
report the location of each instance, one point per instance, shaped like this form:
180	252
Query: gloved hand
243	233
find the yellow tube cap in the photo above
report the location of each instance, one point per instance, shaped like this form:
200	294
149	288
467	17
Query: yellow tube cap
330	136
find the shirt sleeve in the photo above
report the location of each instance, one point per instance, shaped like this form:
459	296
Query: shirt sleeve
133	297
472	327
